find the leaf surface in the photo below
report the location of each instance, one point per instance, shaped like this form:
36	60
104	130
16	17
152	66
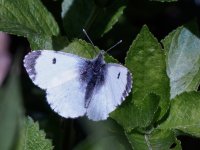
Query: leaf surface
146	60
26	18
141	114
183	59
184	114
32	138
156	140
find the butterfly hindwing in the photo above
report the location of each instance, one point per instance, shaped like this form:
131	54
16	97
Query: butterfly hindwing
117	85
67	99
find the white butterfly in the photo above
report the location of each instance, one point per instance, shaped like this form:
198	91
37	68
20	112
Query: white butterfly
77	86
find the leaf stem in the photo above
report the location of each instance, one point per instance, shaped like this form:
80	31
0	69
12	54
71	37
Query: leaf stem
148	142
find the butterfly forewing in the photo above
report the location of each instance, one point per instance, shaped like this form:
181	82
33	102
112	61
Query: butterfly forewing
49	68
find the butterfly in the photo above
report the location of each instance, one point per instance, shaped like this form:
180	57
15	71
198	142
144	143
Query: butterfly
77	86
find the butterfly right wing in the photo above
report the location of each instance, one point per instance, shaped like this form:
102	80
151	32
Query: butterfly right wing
117	85
59	74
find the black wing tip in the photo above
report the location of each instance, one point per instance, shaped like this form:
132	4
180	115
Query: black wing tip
29	63
31	57
128	86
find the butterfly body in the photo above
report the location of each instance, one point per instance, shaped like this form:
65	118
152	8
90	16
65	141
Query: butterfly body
76	86
93	74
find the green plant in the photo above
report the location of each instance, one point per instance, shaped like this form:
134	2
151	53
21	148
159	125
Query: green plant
164	102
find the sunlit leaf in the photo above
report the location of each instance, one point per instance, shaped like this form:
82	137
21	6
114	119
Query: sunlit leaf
183	59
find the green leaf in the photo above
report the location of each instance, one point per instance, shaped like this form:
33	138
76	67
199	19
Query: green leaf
83	49
48	42
156	140
183	59
40	42
146	60
26	18
32	138
137	114
77	46
11	112
96	18
184	114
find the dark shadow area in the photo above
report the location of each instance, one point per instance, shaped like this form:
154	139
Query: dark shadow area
161	18
189	143
74	22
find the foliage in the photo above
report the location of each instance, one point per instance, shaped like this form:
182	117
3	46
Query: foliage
182	48
164	102
11	112
31	137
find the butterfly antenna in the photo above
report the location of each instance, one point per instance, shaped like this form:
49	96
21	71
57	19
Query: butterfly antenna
114	46
84	31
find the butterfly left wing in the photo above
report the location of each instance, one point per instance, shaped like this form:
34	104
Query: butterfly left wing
67	99
48	68
117	85
59	74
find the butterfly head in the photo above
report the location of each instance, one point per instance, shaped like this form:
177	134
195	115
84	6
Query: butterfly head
99	59
102	52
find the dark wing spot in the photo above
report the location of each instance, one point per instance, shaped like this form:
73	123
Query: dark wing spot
118	75
54	60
